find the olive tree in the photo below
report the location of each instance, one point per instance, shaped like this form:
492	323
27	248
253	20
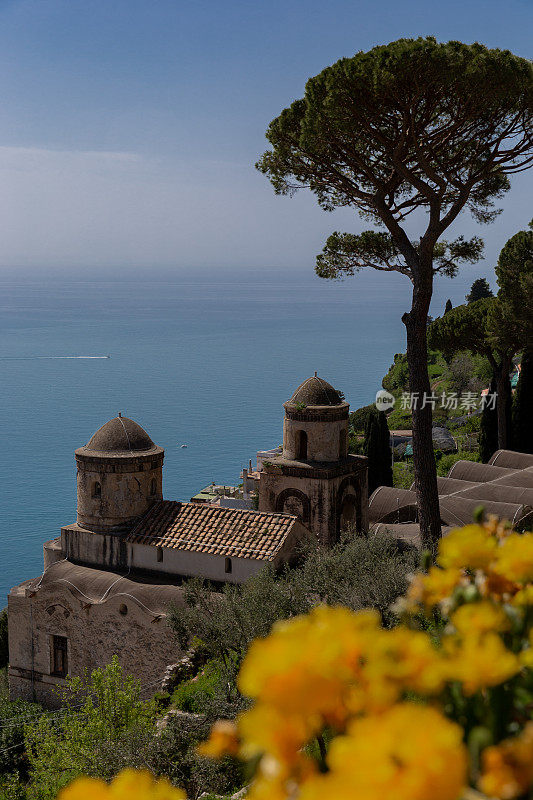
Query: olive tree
413	127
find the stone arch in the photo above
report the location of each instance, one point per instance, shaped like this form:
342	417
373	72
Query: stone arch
349	504
55	608
293	501
301	445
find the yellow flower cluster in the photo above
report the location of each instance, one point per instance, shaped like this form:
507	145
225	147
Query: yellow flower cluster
483	558
508	767
130	784
345	709
340	672
409	751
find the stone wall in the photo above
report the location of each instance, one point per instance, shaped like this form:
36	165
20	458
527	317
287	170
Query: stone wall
317	495
114	492
95	632
323	439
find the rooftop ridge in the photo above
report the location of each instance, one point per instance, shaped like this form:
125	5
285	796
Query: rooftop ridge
213	529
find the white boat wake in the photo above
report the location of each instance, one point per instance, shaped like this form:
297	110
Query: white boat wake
39	358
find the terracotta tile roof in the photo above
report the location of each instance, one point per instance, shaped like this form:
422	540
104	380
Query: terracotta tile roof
215	530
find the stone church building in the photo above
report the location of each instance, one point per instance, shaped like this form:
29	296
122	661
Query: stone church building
315	478
110	578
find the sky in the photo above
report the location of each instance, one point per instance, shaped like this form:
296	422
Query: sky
129	128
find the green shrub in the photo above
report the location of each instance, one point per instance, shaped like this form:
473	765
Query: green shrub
358	419
358	572
403	475
109	731
13	717
400	419
356	443
173	753
446	462
193	695
397	378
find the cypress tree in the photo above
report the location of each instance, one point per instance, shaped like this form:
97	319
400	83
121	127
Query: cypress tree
523	406
378	451
509	415
488	436
448	306
479	290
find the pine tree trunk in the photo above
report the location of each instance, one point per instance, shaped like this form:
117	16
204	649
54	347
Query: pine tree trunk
502	404
488	434
423	457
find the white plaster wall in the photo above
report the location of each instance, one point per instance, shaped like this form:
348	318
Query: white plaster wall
111	550
191	563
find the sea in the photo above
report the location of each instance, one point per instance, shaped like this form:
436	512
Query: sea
204	359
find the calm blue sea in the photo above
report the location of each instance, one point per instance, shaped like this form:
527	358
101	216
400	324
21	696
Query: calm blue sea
205	360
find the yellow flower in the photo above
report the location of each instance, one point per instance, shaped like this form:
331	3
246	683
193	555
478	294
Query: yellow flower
431	589
265	729
478	618
507	768
471	547
526	656
514	559
524	597
305	664
405	660
497	587
409	752
479	661
130	784
85	789
223	740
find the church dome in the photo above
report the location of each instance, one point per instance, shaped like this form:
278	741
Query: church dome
316	391
120	435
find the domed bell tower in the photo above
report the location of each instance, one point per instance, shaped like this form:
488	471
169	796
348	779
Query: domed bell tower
315	478
120	476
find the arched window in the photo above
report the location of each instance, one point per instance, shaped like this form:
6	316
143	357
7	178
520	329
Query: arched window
301	446
59	656
227	566
348	513
153	486
342	444
97	489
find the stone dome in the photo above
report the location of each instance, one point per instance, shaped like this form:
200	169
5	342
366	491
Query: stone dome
120	435
316	391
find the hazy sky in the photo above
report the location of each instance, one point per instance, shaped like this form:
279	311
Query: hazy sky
129	128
